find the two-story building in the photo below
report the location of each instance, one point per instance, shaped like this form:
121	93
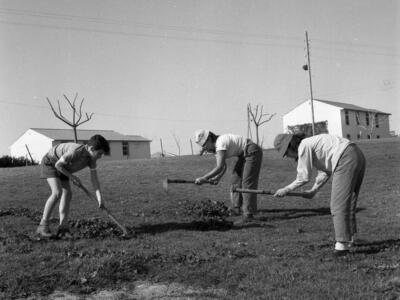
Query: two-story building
341	119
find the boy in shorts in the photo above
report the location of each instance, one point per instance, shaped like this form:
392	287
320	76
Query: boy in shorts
57	167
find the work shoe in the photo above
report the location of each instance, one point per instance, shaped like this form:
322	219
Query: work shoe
244	220
63	231
44	231
342	246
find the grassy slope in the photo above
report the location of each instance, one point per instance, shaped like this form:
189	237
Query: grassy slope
286	254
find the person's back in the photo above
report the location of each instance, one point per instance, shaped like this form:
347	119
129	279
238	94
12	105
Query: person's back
233	144
76	156
327	149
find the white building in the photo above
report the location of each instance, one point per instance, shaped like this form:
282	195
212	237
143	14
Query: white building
40	140
341	119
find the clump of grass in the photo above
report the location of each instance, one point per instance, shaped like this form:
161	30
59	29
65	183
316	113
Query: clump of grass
208	210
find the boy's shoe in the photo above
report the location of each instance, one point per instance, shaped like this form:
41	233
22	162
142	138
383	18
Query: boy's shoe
244	220
63	231
44	231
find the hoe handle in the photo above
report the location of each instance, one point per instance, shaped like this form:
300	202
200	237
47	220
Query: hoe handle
266	192
186	181
180	181
112	218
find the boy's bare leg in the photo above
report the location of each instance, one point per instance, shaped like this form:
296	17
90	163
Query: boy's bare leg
55	186
65	201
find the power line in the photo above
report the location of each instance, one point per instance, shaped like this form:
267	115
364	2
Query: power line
355	44
130	116
139	24
359	52
192	30
152	35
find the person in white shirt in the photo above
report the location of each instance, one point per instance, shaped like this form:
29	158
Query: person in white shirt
331	156
245	172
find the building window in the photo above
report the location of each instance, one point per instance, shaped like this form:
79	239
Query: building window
346	117
376	121
358	136
125	148
367	119
369	136
358	118
348	136
377	136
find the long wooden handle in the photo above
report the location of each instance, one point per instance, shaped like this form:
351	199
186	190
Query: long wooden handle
186	181
266	192
180	181
112	218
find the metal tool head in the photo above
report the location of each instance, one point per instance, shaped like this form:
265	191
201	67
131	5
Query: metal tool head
165	185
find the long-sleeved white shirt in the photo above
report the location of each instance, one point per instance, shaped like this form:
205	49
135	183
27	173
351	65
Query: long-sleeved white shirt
321	152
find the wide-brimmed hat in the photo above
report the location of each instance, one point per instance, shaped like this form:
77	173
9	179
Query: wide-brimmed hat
201	136
281	142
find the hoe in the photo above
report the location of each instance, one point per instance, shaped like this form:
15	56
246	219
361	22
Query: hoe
167	181
265	192
108	213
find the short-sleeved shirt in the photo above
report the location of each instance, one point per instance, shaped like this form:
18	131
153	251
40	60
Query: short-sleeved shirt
233	144
75	156
321	152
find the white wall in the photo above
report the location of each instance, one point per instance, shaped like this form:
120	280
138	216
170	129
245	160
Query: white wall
322	112
139	150
37	143
136	150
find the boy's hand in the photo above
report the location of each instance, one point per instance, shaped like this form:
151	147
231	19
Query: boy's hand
75	180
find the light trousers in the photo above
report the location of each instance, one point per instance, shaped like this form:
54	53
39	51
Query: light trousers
346	184
245	175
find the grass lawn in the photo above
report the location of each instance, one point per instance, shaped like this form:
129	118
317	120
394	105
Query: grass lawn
183	237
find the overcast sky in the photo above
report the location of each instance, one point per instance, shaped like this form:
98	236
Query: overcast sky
166	68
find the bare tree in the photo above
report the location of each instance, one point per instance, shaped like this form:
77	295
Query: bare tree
177	142
372	121
76	114
258	118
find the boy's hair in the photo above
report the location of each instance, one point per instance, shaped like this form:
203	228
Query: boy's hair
98	142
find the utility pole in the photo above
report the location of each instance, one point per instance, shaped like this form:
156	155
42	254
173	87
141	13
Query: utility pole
162	150
191	146
305	68
248	122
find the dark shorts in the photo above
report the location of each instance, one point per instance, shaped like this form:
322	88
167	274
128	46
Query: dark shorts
48	170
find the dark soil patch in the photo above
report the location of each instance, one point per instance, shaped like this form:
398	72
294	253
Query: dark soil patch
207	210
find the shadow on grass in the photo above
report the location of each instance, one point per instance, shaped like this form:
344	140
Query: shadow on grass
194	225
364	247
293	213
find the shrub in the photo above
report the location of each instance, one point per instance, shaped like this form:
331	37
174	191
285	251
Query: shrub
7	161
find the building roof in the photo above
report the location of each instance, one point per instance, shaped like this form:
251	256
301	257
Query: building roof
350	106
85	134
